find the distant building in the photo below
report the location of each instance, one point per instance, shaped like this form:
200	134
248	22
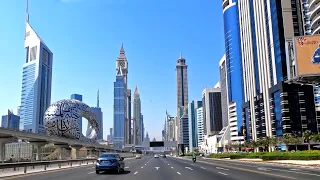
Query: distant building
137	117
193	126
184	128
200	125
36	81
10	121
224	91
182	90
212	115
79	98
119	111
99	115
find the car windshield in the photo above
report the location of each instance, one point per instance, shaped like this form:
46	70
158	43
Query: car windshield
109	156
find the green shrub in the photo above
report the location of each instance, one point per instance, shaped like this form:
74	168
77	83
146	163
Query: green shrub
219	156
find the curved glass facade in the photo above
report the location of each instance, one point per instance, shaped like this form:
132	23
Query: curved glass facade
233	59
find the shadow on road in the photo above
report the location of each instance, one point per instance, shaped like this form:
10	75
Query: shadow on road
113	172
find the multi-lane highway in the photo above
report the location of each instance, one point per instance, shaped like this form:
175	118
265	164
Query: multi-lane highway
170	168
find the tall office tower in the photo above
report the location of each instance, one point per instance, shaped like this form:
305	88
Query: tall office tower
119	113
200	125
122	64
21	125
212	114
170	127
129	130
182	89
79	98
137	116
99	115
311	22
132	131
10	121
184	125
111	134
193	125
272	107
142	128
233	67
36	81
224	91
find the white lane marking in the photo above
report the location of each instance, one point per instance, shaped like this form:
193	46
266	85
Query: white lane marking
126	167
91	172
136	172
90	168
262	169
223	173
168	164
203	168
141	167
157	167
188	168
178	173
145	164
222	168
171	167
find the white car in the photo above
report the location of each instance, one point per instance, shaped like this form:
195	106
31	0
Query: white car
156	156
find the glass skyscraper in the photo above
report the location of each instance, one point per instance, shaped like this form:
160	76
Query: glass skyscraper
10	121
233	66
79	98
36	81
119	110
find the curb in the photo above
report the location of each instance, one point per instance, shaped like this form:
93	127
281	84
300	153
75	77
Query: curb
268	163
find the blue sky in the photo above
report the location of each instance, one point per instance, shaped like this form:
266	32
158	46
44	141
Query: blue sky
85	37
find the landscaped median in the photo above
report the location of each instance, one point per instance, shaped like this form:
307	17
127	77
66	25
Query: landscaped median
268	156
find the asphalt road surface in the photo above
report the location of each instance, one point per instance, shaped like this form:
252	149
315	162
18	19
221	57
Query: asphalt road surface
170	168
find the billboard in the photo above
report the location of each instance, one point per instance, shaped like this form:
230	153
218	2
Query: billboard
307	55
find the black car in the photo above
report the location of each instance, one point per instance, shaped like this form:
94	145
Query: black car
110	161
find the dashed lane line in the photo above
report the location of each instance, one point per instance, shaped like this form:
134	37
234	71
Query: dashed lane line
203	168
91	172
189	168
136	172
222	168
178	173
223	173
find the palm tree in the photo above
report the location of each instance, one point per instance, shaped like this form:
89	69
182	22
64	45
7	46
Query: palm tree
287	139
307	136
274	141
316	137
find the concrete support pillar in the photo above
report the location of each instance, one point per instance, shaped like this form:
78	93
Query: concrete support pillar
90	151
75	150
2	150
37	146
60	146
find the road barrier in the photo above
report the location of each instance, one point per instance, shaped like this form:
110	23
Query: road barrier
10	169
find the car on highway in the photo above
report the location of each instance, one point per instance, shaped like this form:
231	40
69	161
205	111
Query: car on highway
138	156
110	162
163	156
156	156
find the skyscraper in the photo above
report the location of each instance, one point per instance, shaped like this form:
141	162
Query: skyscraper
272	106
224	91
99	115
119	113
79	98
137	116
200	125
142	128
233	66
182	89
184	128
212	115
193	125
129	130
122	63
10	121
36	80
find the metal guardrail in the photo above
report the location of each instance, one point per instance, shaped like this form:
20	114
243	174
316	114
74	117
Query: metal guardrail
45	164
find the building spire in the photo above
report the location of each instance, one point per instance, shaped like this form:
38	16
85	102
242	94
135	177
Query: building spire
136	90
27	13
122	49
98	98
